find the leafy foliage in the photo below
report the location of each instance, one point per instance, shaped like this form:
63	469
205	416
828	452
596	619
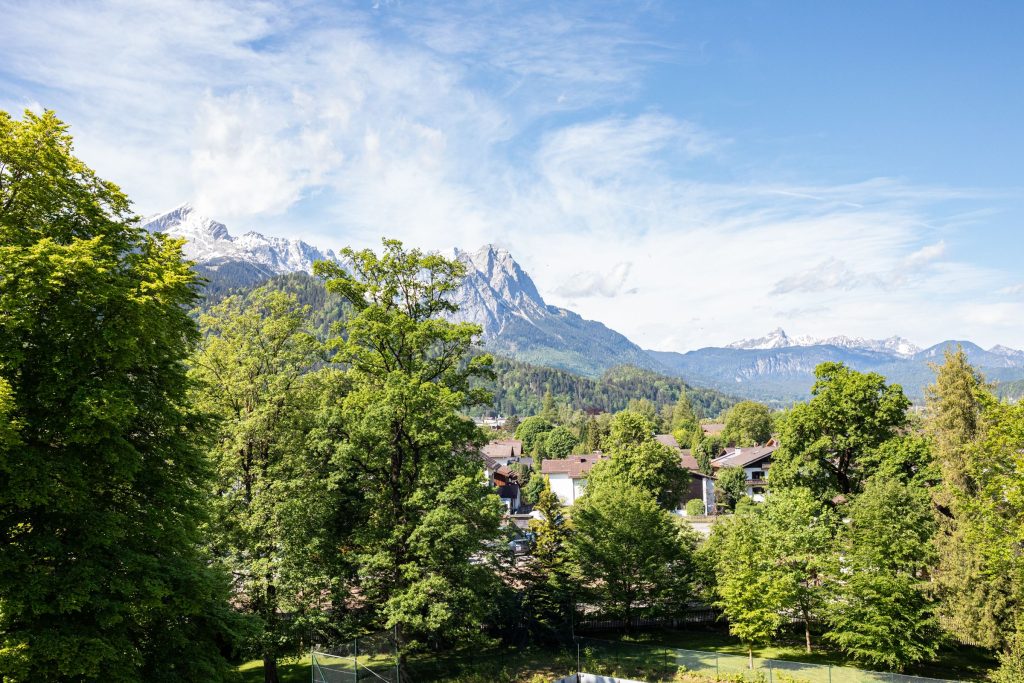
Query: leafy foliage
427	510
748	423
629	551
102	482
825	441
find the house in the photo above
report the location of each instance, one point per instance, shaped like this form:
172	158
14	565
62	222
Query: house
568	477
702	486
498	456
755	461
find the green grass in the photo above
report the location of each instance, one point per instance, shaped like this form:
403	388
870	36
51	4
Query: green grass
649	655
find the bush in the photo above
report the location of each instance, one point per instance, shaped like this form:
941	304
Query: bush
695	507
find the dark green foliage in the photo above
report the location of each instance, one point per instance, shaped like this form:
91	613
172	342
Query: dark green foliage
102	481
633	556
519	389
547	576
731	486
882	614
425	509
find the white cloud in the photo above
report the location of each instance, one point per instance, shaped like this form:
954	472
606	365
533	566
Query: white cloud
339	126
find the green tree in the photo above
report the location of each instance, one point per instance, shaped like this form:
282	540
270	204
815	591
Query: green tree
979	595
825	440
548	411
748	423
798	533
706	450
908	459
748	592
426	509
730	486
547	593
695	507
254	374
102	480
630	551
531	432
684	420
882	614
638	459
533	488
646	407
558	443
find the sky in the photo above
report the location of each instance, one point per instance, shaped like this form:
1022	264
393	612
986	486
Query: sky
688	173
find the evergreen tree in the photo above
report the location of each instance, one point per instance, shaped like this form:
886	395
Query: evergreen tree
547	593
102	481
882	614
426	510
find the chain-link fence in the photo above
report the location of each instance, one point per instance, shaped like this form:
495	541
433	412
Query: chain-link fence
366	658
655	664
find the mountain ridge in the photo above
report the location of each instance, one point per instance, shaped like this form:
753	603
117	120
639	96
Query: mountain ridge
499	295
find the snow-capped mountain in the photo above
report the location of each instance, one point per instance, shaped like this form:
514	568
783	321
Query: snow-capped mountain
778	339
210	244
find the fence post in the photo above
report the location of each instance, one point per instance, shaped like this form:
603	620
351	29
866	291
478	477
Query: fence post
770	671
716	665
577	660
355	659
312	665
829	673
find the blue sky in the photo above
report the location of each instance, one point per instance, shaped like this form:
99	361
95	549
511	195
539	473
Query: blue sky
687	173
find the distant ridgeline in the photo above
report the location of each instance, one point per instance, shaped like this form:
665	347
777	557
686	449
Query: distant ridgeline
518	387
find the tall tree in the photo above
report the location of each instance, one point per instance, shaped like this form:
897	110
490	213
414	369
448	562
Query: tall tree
558	443
748	423
629	552
825	440
638	459
102	482
254	374
427	510
548	584
531	432
798	533
882	614
751	596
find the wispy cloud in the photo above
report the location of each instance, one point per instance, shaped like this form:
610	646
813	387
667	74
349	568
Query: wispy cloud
452	124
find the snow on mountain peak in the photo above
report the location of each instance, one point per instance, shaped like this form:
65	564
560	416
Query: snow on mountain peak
208	242
778	339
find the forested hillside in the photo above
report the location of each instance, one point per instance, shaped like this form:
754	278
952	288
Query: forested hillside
519	389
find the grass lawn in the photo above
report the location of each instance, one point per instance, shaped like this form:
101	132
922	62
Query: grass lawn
648	655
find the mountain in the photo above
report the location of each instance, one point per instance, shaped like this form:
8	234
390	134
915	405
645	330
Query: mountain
239	261
517	323
498	295
766	371
778	339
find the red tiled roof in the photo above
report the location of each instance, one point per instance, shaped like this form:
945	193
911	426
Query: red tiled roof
505	448
686	458
713	428
576	466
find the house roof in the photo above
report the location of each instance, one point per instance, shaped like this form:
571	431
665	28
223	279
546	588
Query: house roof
576	466
741	457
686	459
713	428
504	448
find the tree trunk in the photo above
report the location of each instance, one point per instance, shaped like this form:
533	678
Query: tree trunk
807	631
270	669
750	656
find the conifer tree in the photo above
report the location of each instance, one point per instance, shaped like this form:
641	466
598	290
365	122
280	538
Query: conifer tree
547	596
